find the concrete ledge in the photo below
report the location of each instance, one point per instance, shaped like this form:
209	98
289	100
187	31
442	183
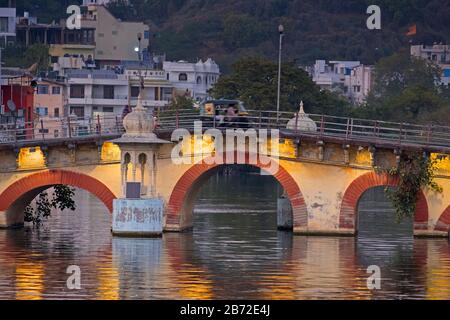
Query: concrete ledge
430	234
125	234
176	228
325	233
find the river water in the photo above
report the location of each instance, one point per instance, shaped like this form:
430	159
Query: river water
234	252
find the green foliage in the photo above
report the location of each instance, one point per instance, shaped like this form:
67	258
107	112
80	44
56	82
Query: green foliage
26	57
62	199
254	80
406	90
415	171
181	102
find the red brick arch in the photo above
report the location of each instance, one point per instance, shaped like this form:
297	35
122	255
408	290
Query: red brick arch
49	178
443	223
190	178
349	206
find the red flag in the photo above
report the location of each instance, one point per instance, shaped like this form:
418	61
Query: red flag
412	30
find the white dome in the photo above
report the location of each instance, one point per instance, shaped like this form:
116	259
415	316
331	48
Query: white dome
302	122
139	123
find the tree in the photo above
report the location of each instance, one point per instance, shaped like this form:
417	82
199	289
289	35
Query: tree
405	90
254	81
62	199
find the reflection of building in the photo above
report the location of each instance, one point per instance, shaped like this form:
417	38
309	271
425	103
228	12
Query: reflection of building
438	54
194	79
349	78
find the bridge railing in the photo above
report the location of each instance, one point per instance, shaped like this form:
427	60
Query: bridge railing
60	128
331	126
345	129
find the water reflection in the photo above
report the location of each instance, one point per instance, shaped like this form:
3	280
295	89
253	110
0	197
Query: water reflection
234	252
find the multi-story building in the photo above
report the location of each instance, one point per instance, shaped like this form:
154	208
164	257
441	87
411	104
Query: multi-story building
359	83
193	79
49	101
438	54
158	91
7	25
102	37
349	78
115	40
95	92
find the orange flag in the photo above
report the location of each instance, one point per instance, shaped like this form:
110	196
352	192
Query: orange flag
412	30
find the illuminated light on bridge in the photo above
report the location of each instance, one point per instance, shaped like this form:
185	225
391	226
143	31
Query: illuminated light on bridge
110	152
30	158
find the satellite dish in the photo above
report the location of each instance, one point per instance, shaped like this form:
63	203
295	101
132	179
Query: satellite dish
11	105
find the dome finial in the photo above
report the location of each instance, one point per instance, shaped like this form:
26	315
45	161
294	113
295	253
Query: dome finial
302	110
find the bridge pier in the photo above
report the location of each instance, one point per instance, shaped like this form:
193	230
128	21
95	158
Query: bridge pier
284	214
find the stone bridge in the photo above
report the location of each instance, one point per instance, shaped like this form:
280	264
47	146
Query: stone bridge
323	172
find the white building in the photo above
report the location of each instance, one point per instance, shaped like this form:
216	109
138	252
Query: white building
7	25
96	92
193	79
99	2
359	83
349	78
439	54
106	92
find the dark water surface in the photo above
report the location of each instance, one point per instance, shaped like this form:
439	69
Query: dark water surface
234	252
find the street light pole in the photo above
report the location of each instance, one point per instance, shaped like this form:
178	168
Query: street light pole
281	32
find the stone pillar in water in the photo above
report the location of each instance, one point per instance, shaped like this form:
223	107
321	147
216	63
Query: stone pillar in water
284	214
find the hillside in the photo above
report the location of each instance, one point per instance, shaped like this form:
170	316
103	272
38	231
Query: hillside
328	29
229	29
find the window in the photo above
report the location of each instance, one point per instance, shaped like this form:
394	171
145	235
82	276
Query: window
199	80
56	90
146	34
134	92
41	89
56	113
182	77
108	109
77	91
108	92
78	111
4	24
42	111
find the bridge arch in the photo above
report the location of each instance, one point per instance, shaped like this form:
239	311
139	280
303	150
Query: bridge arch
15	198
182	198
349	205
443	224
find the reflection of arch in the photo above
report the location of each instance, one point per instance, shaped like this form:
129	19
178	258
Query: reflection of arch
26	189
183	195
349	206
443	223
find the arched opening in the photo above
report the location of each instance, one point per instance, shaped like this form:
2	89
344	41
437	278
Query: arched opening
15	198
182	77
186	190
349	207
443	224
